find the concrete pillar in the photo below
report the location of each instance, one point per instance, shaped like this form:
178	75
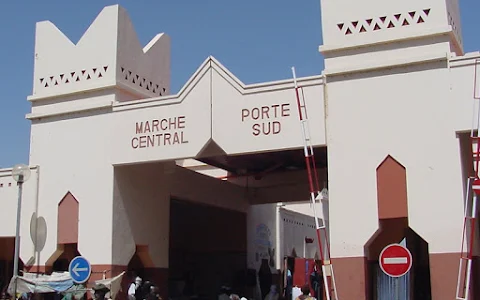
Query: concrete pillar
141	217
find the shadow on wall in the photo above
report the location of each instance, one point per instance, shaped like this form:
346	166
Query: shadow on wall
141	213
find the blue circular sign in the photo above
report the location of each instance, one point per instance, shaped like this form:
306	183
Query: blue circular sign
80	269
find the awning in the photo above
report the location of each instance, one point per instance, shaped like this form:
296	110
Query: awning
38	283
60	283
114	284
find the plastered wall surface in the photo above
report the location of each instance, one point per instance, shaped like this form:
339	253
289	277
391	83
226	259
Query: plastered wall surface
117	109
389	88
9	197
410	110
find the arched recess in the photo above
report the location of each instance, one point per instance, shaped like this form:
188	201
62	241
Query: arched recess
393	224
140	263
67	234
68	252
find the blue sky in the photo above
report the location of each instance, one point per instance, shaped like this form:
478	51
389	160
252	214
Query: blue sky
256	40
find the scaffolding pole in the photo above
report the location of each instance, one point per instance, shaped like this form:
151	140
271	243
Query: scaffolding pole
315	194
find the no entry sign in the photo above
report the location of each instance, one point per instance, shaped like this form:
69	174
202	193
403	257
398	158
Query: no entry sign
476	186
395	260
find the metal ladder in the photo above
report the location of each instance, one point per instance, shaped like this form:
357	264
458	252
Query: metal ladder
471	198
315	195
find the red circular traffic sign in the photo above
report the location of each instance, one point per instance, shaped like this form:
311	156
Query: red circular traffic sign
395	260
476	186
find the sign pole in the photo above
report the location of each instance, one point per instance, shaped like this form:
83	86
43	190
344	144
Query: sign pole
397	287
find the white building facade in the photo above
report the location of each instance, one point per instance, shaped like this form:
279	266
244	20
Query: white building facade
390	118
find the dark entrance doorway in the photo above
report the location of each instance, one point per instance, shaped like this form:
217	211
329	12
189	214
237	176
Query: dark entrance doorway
412	286
208	249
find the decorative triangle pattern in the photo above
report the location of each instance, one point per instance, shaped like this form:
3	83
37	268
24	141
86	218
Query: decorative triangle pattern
386	22
142	82
71	77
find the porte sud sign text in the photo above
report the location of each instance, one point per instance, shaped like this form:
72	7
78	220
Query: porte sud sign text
266	118
159	132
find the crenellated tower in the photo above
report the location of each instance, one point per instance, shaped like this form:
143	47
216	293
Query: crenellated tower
367	34
107	64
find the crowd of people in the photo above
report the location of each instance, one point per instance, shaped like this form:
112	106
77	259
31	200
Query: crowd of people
139	289
273	294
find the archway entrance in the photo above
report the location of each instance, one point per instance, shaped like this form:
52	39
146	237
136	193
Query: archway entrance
415	284
394	228
208	248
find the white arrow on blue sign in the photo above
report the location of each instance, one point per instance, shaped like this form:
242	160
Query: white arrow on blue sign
80	269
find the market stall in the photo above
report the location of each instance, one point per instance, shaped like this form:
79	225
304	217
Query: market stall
60	283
